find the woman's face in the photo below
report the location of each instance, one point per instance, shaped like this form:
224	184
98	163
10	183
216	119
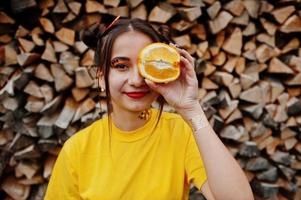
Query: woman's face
128	89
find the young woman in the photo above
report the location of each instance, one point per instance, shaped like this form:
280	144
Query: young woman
137	152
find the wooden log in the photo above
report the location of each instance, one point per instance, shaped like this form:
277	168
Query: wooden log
292	24
182	25
37	40
69	62
61	79
253	95
240	65
243	19
79	93
113	3
60	7
252	7
26	45
139	12
47	92
293	106
191	13
29	152
276	66
233	44
67	114
134	3
266	38
21	32
33	89
209	69
43	73
235	115
295	63
34	104
5	38
52	105
75	7
294	81
265	7
59	46
47	25
214	9
5	19
83	79
250	30
282	13
220	22
199	31
27	58
46	125
10	103
94	6
10	55
235	88
183	41
264	53
225	112
161	13
231	132
49	53
208	84
14	189
80	47
268	26
66	35
84	108
88	58
248	79
29	169
222	78
219	59
236	7
119	11
48	166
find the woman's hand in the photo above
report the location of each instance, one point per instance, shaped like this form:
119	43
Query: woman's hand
182	93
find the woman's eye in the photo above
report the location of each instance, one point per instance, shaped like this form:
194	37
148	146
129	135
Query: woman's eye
121	66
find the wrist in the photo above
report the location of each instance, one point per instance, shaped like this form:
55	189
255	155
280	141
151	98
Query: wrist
195	117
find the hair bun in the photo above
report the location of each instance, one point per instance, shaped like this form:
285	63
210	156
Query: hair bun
91	35
165	33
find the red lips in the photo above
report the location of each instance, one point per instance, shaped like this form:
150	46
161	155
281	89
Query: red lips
136	95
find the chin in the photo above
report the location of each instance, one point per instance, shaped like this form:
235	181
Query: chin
134	107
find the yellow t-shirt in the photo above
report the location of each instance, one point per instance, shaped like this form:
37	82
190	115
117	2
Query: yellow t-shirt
138	165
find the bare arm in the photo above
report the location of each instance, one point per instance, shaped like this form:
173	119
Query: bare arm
226	180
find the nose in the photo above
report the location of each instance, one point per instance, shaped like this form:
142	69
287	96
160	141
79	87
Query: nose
135	79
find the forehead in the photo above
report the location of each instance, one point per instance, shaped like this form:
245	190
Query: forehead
129	44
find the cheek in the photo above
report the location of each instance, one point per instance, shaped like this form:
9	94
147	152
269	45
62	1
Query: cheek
154	95
115	81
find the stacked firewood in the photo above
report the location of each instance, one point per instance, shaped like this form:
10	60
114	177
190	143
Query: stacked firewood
248	61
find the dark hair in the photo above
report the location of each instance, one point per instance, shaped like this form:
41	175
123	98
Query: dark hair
101	38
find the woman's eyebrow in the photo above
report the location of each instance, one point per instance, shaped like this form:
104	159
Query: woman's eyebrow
116	59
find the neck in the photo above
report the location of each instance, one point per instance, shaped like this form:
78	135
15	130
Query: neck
127	120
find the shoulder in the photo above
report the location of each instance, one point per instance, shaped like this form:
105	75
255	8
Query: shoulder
175	124
85	136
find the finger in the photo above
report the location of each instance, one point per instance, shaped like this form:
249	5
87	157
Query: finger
189	69
154	86
184	53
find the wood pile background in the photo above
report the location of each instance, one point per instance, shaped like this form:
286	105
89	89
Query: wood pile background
248	61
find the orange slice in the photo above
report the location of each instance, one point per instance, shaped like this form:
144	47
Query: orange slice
159	63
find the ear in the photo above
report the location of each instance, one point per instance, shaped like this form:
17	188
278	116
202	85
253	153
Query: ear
101	79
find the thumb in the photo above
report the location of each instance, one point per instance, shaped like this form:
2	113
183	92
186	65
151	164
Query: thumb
154	86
